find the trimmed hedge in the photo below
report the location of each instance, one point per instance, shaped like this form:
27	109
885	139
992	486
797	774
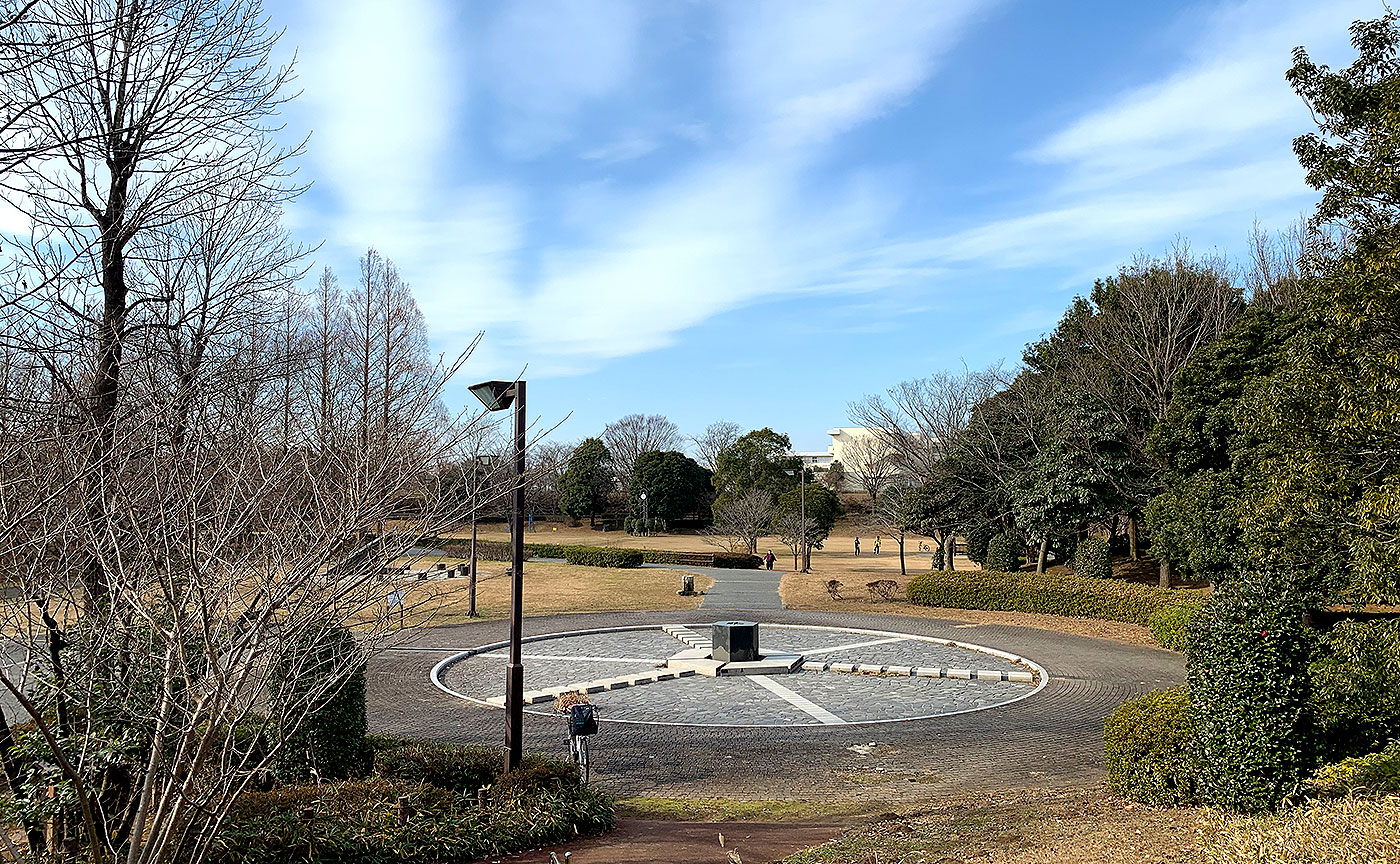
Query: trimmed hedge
1003	554
597	556
1051	594
495	550
447	766
1092	559
1169	625
1356	689
1375	773
1148	746
1247	667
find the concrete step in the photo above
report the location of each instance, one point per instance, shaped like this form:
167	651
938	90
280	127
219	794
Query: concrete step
1020	677
536	697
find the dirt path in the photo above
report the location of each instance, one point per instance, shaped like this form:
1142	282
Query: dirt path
639	841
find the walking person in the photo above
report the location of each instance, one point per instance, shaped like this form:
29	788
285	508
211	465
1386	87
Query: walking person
877	544
769	559
857	547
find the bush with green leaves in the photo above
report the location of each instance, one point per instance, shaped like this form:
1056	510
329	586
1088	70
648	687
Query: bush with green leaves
1374	773
598	556
358	822
976	538
1149	749
1047	593
1169	625
325	671
1093	559
1003	554
494	550
1247	667
454	767
1356	688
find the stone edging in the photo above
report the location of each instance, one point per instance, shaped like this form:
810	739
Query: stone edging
1038	674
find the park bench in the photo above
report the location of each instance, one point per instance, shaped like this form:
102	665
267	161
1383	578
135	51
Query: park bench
695	559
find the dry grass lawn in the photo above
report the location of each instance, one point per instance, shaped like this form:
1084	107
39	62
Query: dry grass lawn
549	588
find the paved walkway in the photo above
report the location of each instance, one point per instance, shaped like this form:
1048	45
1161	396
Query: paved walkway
1054	738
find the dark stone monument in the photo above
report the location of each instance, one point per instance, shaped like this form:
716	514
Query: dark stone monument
734	641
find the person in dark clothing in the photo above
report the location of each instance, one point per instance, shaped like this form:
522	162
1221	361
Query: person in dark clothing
769	559
857	546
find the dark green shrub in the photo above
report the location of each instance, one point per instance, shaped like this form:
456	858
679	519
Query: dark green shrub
1373	773
1003	554
1356	689
497	551
1092	559
321	683
594	556
1048	593
357	822
1247	664
976	539
1148	749
538	774
1169	625
455	767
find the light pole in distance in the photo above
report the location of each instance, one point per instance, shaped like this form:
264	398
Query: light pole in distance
498	396
801	474
646	527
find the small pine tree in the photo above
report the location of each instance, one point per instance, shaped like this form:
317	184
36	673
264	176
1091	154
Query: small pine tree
329	742
1002	554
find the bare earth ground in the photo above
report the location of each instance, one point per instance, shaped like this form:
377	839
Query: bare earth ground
549	588
1085	826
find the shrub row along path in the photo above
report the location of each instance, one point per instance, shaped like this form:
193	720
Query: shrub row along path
1052	739
746	590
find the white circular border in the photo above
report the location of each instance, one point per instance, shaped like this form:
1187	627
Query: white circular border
1044	677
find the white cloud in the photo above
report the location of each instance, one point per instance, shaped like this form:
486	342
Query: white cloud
1206	148
378	79
805	70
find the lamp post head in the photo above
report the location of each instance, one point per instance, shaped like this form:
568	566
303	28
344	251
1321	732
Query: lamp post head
494	395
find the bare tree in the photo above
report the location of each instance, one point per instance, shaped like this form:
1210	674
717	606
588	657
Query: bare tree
634	435
717	437
871	462
739	523
917	422
1273	275
175	517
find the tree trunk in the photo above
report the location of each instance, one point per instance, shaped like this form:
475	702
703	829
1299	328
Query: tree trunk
1043	554
951	550
1132	538
902	571
1164	573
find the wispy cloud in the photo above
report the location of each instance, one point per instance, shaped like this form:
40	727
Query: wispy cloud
1209	143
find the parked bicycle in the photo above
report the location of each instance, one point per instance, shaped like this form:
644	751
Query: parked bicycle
583	722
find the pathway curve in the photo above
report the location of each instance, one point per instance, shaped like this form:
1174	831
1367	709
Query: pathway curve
736	589
1053	738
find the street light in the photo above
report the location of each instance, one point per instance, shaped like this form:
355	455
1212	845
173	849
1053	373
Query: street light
801	473
645	529
498	396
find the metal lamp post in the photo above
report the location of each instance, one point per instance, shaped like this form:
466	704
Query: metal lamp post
646	526
801	473
498	396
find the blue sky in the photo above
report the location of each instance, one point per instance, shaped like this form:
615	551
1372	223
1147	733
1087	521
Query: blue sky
762	211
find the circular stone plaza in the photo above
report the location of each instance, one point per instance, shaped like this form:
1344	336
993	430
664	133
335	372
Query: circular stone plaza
850	705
